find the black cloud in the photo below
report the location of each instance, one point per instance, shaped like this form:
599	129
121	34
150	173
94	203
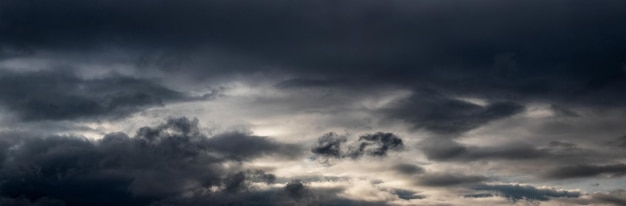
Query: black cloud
157	164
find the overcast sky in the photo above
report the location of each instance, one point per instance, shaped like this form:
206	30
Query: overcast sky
312	102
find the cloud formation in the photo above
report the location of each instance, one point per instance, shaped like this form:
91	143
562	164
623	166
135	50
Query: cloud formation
449	100
62	95
158	163
378	144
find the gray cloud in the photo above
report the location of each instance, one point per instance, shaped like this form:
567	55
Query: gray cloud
243	146
529	193
446	180
449	150
585	170
62	95
345	40
617	197
158	163
343	59
329	146
408	169
376	145
435	112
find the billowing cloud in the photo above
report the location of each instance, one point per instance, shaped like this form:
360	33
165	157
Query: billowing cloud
158	163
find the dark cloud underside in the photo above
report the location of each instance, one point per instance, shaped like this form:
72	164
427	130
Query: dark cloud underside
62	95
487	48
159	163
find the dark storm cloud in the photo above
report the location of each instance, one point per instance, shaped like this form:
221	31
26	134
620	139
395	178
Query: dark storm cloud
446	180
433	111
156	164
332	146
62	95
585	170
449	150
529	193
528	50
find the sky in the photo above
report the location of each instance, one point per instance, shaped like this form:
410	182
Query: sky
312	102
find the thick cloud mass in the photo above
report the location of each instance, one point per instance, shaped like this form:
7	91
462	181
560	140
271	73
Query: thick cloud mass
158	163
496	49
61	95
472	102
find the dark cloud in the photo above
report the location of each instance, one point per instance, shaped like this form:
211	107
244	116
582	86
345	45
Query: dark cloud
294	192
446	180
529	193
296	189
376	145
310	83
62	95
240	181
586	170
435	112
159	163
26	202
485	48
449	150
480	195
617	197
243	146
407	194
408	169
329	146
